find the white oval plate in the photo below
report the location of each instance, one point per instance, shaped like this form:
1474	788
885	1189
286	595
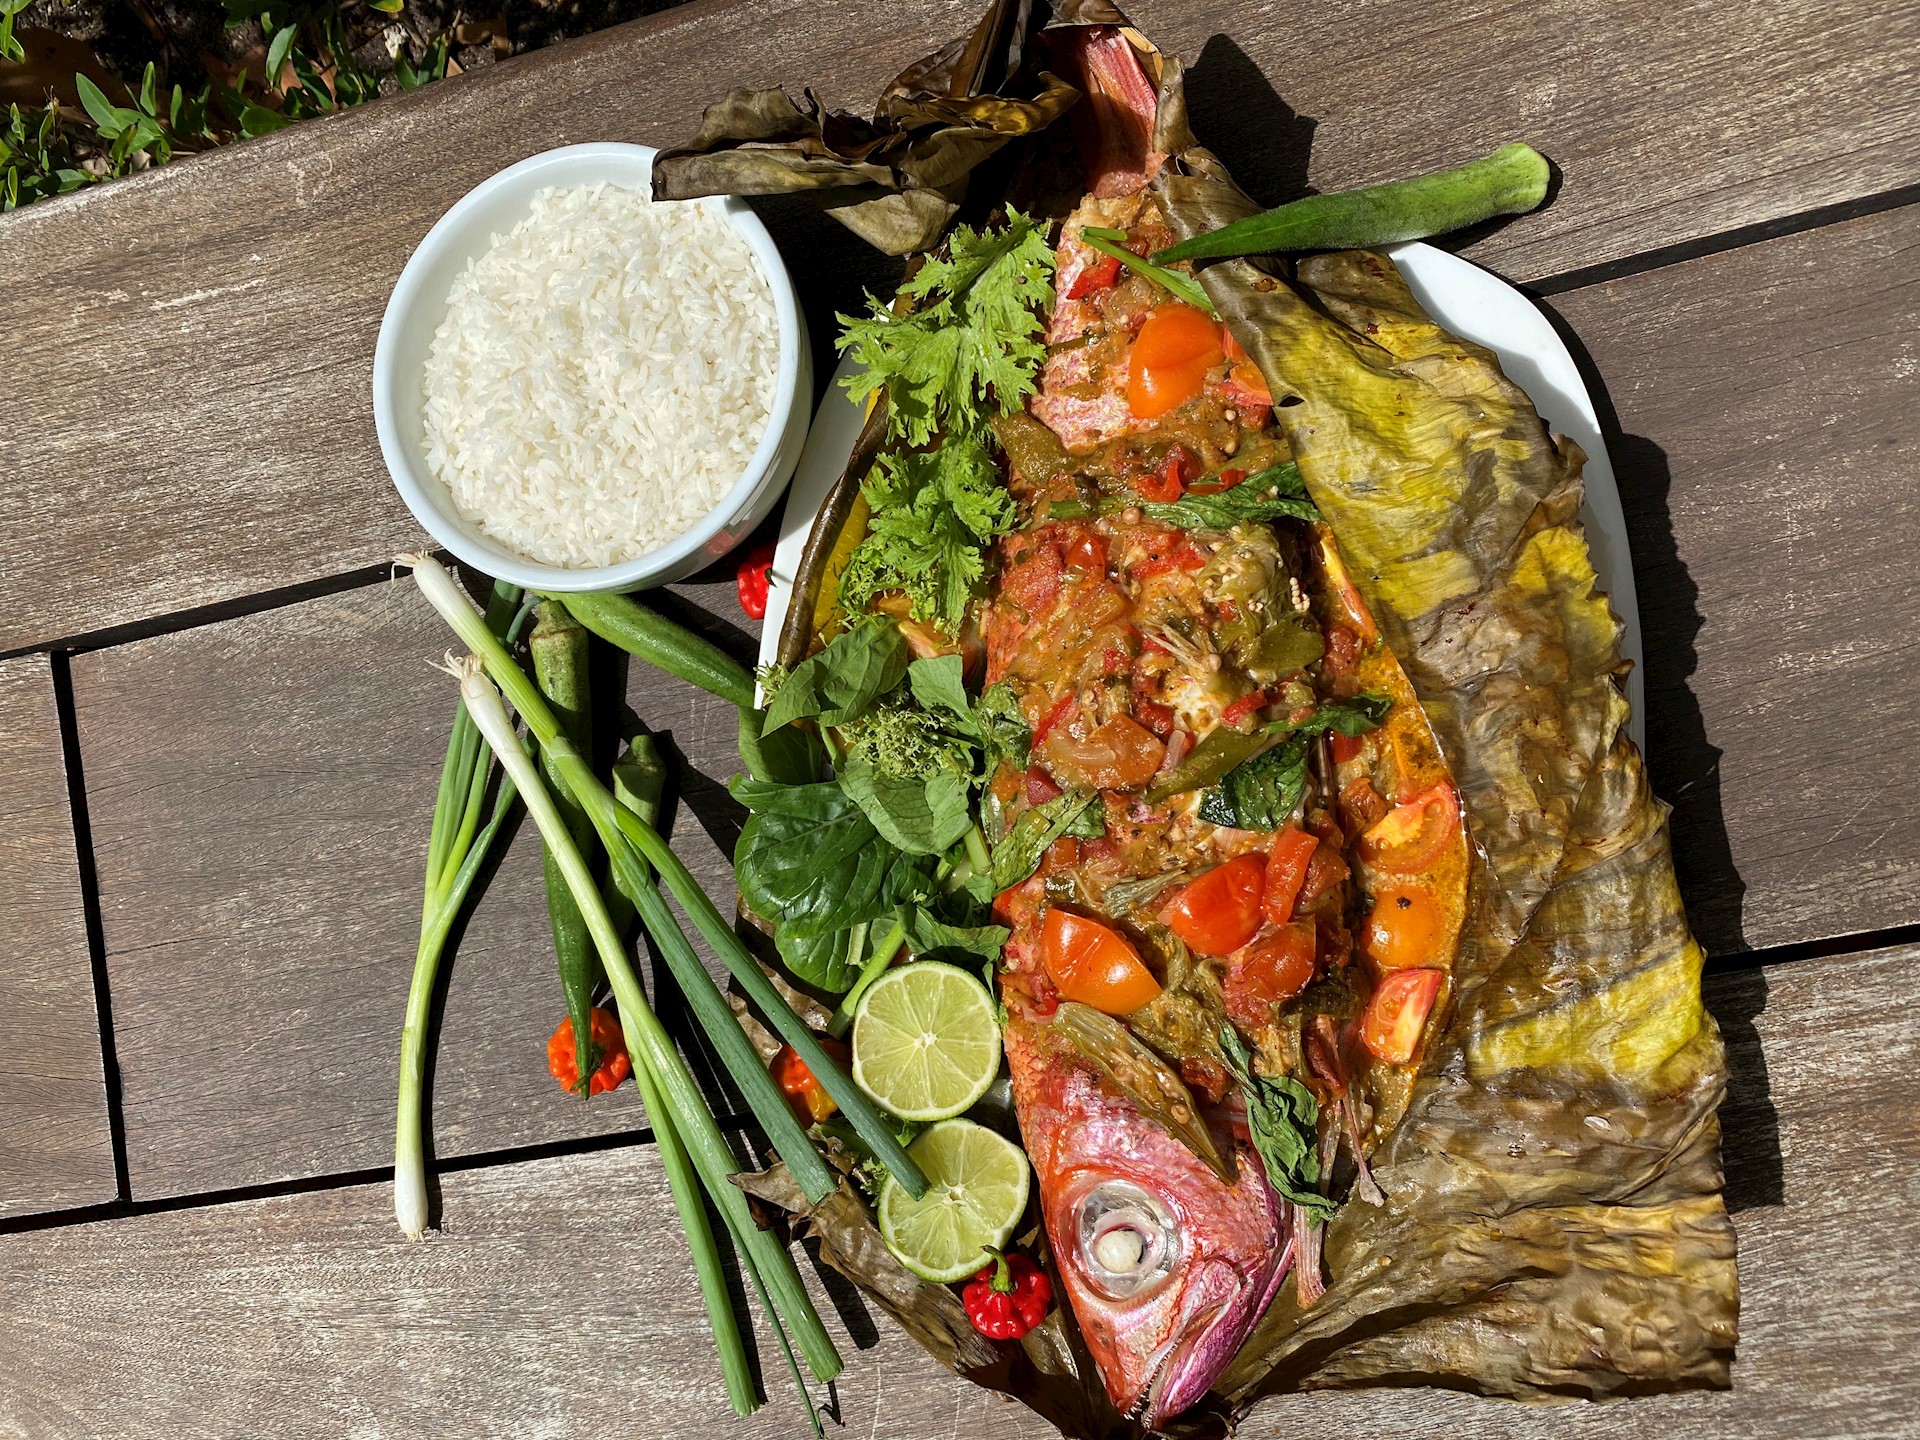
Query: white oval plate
1468	301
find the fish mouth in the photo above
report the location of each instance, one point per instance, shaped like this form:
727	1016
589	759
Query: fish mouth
1153	1407
1187	1366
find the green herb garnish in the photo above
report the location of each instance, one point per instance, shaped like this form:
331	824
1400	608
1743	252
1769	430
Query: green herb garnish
1282	1117
1181	287
1261	792
1273	494
974	343
934	513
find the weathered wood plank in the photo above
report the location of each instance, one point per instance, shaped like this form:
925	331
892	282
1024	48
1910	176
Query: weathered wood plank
260	790
538	1312
227	464
1770	400
56	1148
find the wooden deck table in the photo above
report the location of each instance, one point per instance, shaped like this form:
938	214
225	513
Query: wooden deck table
219	738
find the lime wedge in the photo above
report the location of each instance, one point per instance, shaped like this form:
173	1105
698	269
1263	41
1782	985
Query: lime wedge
976	1192
926	1041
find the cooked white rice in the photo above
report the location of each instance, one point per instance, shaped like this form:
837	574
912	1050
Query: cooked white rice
603	376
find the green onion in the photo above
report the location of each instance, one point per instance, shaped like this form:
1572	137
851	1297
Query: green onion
1182	287
708	1267
1510	181
648	1041
707	919
709	1007
464	829
639	780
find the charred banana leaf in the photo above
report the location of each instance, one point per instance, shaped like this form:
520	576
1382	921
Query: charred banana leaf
897	179
1553	1222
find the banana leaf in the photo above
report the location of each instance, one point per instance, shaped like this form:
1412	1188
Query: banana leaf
1553	1225
895	180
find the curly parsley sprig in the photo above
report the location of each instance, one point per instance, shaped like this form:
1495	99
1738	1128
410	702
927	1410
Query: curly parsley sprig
971	346
970	349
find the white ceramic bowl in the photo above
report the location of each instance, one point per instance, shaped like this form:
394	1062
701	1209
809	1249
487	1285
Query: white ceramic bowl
419	304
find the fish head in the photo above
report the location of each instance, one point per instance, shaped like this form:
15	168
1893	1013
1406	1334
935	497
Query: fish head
1167	1266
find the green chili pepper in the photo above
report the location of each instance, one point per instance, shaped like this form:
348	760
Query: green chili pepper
559	648
1510	181
1221	750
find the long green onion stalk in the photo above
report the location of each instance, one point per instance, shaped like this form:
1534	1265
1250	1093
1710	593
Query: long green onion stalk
630	843
670	1089
465	825
639	780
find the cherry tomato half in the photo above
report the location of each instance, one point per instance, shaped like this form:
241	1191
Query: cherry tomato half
1405	927
1219	912
1286	872
1088	552
1170	358
1094	964
1274	968
1397	1014
1410	837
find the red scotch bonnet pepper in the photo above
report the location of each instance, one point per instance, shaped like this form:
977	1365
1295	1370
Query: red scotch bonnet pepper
751	579
1008	1298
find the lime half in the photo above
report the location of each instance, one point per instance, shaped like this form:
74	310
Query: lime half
976	1192
926	1041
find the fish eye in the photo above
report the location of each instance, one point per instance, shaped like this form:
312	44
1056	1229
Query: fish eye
1126	1239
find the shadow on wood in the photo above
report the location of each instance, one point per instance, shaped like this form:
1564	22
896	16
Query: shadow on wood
1749	1123
1230	100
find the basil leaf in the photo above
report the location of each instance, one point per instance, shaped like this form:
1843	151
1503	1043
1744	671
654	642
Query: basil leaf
1259	794
810	861
939	683
1018	855
1002	726
920	814
829	962
1282	1120
842	681
1272	494
788	756
931	938
1344	717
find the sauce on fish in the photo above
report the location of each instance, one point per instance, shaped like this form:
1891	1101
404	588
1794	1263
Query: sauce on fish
1129	642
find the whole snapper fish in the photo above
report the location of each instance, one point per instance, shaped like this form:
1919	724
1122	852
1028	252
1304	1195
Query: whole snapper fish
1192	653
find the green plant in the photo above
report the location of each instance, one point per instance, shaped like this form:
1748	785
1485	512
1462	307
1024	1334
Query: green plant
36	157
10	47
310	69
